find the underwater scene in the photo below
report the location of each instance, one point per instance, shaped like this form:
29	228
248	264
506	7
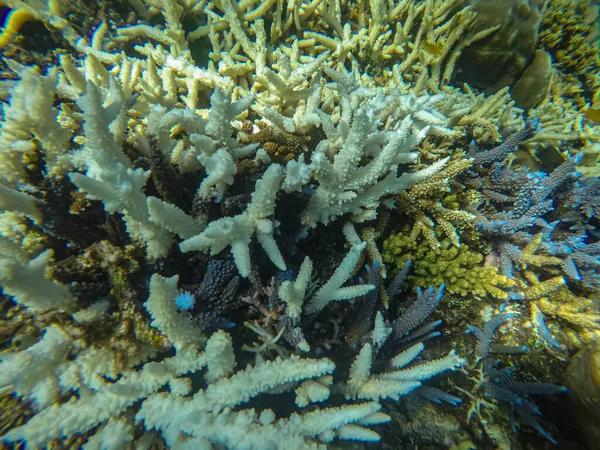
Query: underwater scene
300	224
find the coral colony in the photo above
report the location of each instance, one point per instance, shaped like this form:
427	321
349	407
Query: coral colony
286	224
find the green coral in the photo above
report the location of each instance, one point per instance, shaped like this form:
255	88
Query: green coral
460	268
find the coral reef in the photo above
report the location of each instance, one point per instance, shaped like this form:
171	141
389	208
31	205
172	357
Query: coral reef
501	57
459	268
570	33
582	379
241	224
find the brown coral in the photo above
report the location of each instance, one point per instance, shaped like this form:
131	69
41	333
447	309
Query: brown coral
499	59
425	204
281	145
570	34
583	381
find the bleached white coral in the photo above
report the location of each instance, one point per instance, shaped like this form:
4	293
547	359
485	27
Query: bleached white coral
104	390
362	384
20	202
219	356
114	435
30	124
172	218
29	372
380	128
213	147
99	400
313	391
92	313
292	93
380	331
108	173
58	364
237	231
369	132
26	281
332	290
208	417
293	294
297	174
178	328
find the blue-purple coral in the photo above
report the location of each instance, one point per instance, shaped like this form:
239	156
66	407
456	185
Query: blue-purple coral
185	301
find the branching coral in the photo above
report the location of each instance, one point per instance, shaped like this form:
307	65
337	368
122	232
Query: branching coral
118	396
573	313
430	203
570	33
237	231
346	186
495	387
530	196
459	268
157	140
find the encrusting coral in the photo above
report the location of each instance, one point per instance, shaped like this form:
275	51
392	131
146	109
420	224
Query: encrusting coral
238	224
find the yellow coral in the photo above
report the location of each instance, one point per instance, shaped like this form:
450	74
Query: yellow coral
551	265
432	203
281	145
544	288
461	269
13	412
577	313
12	26
569	31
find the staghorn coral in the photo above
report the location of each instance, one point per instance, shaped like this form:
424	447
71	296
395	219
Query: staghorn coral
346	185
531	243
378	341
498	389
576	318
410	43
527	200
433	203
279	144
488	114
494	387
140	112
570	34
459	268
583	199
370	235
183	336
236	231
